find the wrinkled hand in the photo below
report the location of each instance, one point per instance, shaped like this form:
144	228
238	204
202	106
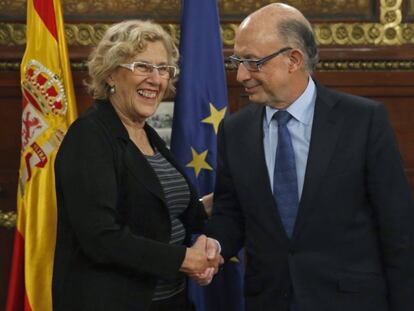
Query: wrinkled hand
214	260
196	261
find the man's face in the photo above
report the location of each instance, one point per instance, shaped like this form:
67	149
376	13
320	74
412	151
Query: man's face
269	85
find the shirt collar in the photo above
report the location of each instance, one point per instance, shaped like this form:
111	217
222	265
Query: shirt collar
301	109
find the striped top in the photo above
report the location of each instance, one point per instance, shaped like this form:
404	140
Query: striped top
177	197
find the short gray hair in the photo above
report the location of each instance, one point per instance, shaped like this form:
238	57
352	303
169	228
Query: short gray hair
299	35
120	43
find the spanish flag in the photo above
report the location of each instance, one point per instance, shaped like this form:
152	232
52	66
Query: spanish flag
48	109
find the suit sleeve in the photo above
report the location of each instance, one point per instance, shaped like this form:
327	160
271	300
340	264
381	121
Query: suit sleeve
393	203
227	222
87	199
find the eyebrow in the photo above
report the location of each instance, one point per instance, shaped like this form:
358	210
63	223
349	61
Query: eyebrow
248	56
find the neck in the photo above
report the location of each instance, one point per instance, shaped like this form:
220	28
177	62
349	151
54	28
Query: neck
138	135
129	123
132	126
294	91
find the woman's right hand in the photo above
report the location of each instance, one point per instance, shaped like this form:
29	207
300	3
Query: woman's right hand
196	261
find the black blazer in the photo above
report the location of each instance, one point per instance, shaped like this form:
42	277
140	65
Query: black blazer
353	242
113	223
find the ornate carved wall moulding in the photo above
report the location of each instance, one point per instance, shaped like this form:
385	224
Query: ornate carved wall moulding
389	31
7	219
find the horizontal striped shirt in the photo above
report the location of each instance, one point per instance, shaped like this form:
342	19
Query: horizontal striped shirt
177	197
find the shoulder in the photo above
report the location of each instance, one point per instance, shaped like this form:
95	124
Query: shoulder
355	110
87	124
358	113
87	134
345	100
244	117
99	119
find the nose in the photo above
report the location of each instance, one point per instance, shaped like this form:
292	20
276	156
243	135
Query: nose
154	76
242	73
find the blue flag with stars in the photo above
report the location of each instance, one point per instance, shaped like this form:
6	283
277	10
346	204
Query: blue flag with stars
201	100
200	105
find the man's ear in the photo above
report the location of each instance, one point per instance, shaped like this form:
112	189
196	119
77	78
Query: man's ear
296	60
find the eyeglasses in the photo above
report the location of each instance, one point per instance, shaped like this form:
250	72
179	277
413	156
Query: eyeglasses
255	64
144	69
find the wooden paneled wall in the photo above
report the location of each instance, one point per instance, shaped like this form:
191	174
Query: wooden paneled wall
395	88
372	58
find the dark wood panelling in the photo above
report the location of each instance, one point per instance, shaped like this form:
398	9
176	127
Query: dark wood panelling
6	244
83	100
98	10
10	113
10	116
394	88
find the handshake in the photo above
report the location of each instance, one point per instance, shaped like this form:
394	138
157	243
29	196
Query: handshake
202	260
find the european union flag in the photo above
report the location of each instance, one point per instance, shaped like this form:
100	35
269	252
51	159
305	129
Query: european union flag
201	100
200	105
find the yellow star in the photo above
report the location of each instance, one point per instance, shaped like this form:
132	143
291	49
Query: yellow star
199	162
215	117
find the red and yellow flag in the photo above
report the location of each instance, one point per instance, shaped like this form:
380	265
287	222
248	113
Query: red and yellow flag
48	109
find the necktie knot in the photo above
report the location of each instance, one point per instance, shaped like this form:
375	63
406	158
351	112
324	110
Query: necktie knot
282	117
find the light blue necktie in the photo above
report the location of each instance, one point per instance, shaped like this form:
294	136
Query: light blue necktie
285	184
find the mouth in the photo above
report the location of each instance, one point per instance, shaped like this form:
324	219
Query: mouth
250	89
147	94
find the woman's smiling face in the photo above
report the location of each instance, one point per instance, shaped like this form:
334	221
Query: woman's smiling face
138	95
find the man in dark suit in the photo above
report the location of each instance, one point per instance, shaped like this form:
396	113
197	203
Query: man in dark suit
311	183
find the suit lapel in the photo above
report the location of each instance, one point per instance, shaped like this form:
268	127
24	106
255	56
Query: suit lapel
254	150
327	124
134	160
138	165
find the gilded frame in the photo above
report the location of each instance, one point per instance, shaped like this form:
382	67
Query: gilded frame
390	30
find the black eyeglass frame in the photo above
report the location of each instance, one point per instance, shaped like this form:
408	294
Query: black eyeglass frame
258	63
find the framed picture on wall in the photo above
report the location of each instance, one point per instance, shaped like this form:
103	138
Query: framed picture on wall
161	121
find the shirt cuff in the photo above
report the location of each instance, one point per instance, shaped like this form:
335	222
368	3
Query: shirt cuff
218	245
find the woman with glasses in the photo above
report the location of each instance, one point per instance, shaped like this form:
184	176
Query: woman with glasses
125	208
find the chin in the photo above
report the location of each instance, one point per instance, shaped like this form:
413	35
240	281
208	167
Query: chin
255	98
144	113
148	114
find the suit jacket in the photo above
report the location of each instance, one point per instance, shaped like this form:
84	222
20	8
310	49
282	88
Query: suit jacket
113	223
353	242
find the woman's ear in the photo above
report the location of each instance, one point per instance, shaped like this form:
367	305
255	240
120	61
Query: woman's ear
109	80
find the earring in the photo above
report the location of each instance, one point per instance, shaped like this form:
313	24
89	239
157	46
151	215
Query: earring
112	90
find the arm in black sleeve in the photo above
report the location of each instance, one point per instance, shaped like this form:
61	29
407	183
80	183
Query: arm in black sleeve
87	202
391	197
227	222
